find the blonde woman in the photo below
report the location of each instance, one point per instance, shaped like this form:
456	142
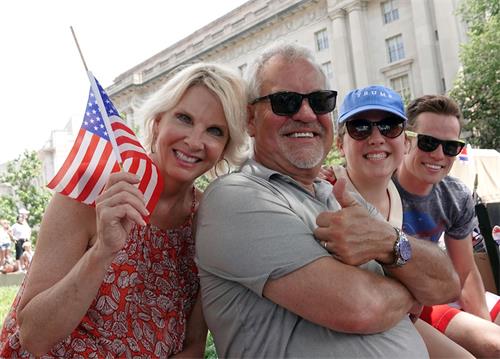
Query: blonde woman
103	283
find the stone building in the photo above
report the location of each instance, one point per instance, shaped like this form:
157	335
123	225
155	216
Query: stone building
409	45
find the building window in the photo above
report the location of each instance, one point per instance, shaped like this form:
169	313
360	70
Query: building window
328	69
401	85
390	11
321	40
242	69
395	48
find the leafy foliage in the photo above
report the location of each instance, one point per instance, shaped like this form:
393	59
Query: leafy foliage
476	13
477	89
22	174
334	157
8	209
210	352
202	182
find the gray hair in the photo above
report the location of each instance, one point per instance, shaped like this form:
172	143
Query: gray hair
229	88
290	51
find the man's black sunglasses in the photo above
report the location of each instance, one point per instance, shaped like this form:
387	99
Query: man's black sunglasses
360	129
428	143
286	103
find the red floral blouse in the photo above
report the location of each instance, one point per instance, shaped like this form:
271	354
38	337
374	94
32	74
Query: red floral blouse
141	308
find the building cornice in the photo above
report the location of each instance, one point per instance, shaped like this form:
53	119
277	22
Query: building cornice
356	5
402	65
336	14
214	37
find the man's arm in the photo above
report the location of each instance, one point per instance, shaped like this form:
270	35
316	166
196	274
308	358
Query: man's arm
341	297
354	237
472	297
271	251
429	275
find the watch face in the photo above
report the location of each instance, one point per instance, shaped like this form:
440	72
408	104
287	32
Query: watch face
405	250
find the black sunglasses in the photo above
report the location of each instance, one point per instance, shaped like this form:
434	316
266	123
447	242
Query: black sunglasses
428	143
360	129
288	103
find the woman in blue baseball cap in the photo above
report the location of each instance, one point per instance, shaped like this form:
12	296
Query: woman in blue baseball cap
370	136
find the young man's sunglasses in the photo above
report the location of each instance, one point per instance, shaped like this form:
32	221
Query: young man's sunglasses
288	103
428	143
360	129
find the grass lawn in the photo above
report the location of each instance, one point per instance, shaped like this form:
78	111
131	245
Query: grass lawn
210	352
7	295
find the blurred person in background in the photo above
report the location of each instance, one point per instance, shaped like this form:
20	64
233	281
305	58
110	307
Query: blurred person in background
5	240
21	232
26	257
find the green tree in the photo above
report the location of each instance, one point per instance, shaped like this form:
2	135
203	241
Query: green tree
334	157
8	208
477	88
21	175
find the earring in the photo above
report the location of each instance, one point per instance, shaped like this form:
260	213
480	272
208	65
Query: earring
226	164
153	144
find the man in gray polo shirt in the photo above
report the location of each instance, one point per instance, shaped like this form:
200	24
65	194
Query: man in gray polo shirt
270	288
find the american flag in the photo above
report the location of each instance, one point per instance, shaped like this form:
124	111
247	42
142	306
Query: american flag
463	155
92	158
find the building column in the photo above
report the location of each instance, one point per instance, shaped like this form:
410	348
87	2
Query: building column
358	42
449	41
426	48
341	58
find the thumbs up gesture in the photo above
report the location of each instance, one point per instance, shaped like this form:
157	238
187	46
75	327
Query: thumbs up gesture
343	196
351	234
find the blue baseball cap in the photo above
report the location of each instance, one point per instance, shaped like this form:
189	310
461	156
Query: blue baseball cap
371	98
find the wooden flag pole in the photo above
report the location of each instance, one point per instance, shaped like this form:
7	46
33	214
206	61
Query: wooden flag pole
79	50
100	104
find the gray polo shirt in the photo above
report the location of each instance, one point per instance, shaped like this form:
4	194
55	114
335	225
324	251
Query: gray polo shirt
256	225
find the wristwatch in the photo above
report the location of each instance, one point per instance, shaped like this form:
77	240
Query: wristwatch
402	249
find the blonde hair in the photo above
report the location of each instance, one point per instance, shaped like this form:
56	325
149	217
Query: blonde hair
229	88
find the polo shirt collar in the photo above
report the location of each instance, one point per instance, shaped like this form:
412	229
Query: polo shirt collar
323	189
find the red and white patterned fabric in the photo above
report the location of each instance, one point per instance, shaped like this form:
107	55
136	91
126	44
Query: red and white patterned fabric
141	308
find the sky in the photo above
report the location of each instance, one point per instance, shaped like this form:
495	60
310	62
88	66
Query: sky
43	81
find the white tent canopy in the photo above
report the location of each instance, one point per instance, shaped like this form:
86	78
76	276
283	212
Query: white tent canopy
486	164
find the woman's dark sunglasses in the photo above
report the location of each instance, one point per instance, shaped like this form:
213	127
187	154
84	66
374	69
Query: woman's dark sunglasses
288	103
428	143
360	129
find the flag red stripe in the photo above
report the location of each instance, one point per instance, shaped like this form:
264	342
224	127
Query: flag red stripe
83	165
69	160
96	174
124	139
90	200
119	125
133	154
146	178
134	166
156	192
